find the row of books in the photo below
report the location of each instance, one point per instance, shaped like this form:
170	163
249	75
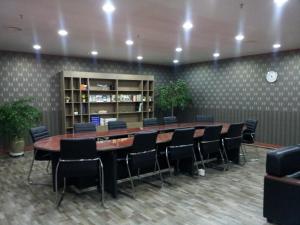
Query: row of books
102	98
98	121
121	98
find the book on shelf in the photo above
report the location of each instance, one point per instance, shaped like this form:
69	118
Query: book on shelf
102	98
139	107
129	98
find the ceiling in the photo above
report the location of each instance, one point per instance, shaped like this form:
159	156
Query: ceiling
155	26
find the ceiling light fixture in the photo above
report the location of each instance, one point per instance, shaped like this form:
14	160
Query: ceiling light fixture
178	49
276	46
94	52
216	54
187	25
129	42
175	61
239	37
62	33
280	2
139	57
37	47
108	7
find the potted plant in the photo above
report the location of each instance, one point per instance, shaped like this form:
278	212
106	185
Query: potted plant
173	95
16	118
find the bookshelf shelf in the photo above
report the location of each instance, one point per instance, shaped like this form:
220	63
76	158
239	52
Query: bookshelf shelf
110	96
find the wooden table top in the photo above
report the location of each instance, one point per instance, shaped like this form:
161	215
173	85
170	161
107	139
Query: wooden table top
53	143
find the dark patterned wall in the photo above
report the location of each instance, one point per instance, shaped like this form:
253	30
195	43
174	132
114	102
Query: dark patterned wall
23	75
236	89
232	90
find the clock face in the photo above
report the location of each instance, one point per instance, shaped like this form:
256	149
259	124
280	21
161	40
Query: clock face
272	76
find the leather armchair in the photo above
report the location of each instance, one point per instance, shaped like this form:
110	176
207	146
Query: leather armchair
282	186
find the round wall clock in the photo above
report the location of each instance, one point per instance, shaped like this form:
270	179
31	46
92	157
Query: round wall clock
271	76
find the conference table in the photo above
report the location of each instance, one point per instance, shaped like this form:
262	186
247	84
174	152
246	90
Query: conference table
109	148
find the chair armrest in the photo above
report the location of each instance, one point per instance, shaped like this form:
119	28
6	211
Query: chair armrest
286	180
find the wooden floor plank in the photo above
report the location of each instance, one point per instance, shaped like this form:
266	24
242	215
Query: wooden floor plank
233	197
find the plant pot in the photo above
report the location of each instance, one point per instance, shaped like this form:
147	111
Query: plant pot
17	147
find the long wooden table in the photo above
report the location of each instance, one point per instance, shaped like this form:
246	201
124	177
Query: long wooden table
109	148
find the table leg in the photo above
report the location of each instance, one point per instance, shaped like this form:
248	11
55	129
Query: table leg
110	172
55	157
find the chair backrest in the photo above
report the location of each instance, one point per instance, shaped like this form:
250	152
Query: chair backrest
235	130
184	136
170	119
38	133
210	141
182	144
150	122
115	125
144	141
143	151
212	133
84	127
251	125
205	118
233	138
79	148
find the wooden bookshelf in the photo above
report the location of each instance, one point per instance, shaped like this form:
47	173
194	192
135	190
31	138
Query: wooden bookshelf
121	96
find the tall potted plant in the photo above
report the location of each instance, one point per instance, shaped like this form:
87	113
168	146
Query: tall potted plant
173	95
16	118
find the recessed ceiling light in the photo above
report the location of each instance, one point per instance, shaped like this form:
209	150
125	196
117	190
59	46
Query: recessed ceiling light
37	47
178	49
239	37
277	45
94	52
216	54
175	61
140	58
129	42
187	25
108	7
280	2
62	32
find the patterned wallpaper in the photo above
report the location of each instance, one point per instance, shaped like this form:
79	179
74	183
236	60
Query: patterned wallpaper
232	90
241	84
23	75
238	87
27	75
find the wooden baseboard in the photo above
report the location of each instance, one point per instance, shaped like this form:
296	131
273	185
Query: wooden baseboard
266	145
26	149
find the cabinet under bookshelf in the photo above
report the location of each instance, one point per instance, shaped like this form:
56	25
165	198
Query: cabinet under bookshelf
101	97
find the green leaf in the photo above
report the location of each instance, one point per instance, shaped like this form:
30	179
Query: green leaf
17	117
174	95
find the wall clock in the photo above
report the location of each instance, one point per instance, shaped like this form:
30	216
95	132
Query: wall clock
271	76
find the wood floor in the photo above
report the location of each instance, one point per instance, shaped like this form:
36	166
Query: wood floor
233	197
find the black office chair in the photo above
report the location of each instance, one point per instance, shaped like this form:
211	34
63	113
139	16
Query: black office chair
38	133
84	127
79	158
209	144
249	132
143	155
249	136
205	118
117	125
232	142
181	147
150	122
169	120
